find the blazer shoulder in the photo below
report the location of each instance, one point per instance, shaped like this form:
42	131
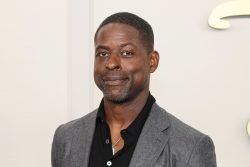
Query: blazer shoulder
70	135
179	129
187	144
68	128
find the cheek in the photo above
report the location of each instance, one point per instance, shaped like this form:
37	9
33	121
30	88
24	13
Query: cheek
97	68
140	72
97	73
97	79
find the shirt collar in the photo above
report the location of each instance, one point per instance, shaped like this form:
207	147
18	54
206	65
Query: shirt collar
136	126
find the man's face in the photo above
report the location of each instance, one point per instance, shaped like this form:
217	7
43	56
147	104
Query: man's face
122	65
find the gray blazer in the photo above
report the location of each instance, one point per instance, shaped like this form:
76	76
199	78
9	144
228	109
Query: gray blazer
165	141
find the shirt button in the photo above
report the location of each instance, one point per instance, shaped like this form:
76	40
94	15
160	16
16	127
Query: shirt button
109	163
107	141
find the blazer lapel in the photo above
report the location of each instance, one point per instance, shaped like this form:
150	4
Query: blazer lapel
152	140
81	144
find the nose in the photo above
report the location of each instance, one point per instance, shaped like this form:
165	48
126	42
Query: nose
113	62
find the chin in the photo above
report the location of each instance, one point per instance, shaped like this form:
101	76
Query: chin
121	98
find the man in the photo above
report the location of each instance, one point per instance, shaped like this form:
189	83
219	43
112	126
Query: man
128	128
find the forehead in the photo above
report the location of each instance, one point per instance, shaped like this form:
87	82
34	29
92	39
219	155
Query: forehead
117	32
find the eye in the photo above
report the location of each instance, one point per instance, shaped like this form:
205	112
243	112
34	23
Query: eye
127	54
102	54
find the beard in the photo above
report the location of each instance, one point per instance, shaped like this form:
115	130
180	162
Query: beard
119	92
118	98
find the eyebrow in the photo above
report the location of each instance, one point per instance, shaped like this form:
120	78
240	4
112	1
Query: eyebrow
128	43
121	46
101	47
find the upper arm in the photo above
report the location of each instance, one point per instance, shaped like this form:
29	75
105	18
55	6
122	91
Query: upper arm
203	154
54	150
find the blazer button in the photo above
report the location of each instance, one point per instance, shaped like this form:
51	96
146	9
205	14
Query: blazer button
109	163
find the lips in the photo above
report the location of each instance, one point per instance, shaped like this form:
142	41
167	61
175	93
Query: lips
114	80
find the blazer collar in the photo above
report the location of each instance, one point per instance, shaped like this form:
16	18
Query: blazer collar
152	139
149	146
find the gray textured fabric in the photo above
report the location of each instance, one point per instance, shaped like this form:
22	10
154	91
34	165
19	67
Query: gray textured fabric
165	141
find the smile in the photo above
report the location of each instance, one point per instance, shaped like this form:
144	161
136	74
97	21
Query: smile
114	81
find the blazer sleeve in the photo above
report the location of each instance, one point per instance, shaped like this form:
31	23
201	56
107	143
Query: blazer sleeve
203	154
55	149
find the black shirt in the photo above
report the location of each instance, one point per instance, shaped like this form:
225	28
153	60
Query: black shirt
101	154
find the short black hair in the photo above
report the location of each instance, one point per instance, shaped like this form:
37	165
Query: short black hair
144	28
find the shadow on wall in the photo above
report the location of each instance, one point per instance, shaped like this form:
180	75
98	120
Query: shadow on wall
248	128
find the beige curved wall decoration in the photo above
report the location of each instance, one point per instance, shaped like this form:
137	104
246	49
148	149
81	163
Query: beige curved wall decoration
228	9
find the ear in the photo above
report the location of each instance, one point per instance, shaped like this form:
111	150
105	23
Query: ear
154	61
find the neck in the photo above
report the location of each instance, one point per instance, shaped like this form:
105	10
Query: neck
121	115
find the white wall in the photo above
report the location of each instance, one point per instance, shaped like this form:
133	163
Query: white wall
81	42
44	69
34	79
46	66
